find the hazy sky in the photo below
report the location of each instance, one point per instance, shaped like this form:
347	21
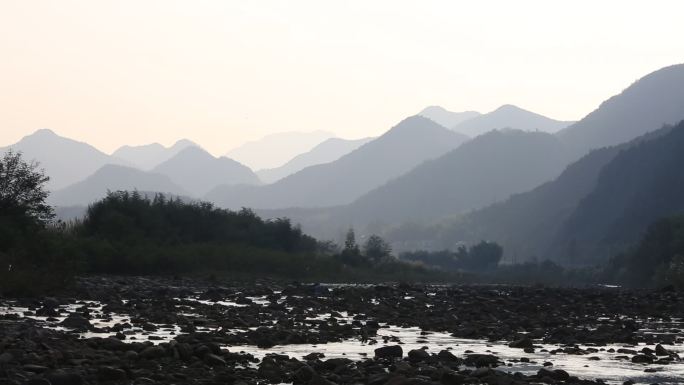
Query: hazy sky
223	72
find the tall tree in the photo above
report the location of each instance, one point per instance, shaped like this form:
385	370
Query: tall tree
376	249
22	189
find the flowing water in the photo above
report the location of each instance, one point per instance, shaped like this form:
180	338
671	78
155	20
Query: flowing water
596	362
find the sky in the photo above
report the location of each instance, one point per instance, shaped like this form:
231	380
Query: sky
220	73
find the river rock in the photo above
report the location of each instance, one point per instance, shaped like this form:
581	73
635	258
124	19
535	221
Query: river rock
522	343
77	322
661	351
418	355
481	360
392	351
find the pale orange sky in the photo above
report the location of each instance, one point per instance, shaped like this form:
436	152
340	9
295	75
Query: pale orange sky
223	72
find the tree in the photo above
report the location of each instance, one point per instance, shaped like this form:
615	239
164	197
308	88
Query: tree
376	249
22	189
350	246
481	257
351	254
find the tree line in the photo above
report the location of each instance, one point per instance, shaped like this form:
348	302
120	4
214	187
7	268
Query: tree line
134	233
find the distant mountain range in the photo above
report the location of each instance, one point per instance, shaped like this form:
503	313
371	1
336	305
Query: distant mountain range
328	151
473	123
80	174
409	143
600	204
112	178
577	192
642	184
509	116
596	208
197	171
148	156
485	170
446	118
480	172
275	150
65	161
654	100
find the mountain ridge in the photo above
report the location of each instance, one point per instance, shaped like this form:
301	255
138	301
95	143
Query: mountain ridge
410	142
197	171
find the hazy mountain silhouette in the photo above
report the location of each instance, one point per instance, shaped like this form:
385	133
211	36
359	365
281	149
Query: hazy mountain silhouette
148	156
275	150
66	161
525	223
639	186
406	145
113	178
480	172
529	224
197	171
509	116
654	100
445	117
328	151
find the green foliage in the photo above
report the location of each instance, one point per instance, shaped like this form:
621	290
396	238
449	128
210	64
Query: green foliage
22	189
33	256
656	261
132	218
44	261
376	249
351	253
481	257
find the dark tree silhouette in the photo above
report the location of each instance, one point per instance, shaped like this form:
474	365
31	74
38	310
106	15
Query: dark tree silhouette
483	256
351	254
22	189
350	245
376	249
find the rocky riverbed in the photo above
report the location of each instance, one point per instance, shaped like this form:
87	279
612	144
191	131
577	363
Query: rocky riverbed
182	331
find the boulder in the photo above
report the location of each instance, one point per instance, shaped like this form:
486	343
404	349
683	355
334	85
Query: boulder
392	351
481	360
77	322
418	355
642	359
661	351
522	343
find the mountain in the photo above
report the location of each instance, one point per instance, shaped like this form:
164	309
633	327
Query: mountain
537	224
113	178
525	223
509	116
197	171
445	117
328	151
148	156
409	143
480	172
274	150
65	161
654	100
640	185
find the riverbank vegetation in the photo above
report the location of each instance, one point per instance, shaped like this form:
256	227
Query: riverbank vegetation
130	233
